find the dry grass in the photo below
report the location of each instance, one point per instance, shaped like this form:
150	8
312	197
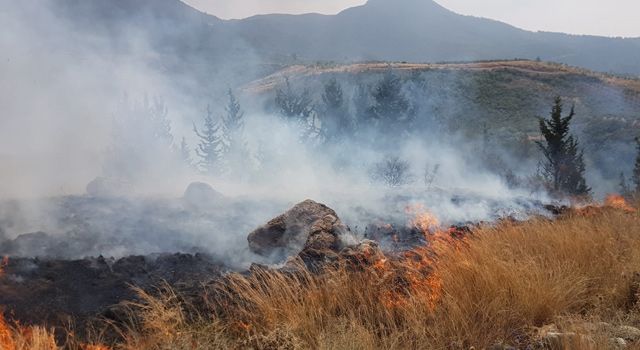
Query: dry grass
499	285
503	284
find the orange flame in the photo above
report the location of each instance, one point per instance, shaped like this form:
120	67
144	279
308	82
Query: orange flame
14	337
618	202
6	336
422	219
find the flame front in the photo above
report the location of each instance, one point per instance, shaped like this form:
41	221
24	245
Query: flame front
618	202
412	276
422	219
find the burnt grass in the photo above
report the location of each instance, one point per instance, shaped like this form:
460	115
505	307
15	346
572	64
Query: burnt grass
60	293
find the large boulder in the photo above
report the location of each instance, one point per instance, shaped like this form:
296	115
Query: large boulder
309	229
200	195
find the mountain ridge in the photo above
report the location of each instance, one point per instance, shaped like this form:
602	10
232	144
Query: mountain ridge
382	30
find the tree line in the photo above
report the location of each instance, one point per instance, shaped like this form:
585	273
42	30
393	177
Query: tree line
382	107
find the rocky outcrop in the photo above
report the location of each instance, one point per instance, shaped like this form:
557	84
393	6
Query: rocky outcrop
309	229
200	195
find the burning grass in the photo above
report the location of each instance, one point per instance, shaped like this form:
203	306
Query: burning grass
500	284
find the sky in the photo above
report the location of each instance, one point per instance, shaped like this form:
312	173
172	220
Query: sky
593	17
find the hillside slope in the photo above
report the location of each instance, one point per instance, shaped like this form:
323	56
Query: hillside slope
499	100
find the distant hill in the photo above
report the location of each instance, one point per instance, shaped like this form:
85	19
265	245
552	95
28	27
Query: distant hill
503	98
423	31
385	30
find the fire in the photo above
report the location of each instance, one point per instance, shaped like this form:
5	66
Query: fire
4	264
422	219
413	277
94	347
6	336
17	337
618	202
244	326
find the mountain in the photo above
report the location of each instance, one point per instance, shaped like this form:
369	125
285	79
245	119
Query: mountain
423	31
384	30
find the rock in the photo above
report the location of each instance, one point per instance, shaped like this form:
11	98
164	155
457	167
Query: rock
557	340
311	229
200	195
628	333
567	340
365	253
108	187
618	343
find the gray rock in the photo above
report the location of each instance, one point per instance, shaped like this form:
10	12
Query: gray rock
200	195
618	343
628	333
311	229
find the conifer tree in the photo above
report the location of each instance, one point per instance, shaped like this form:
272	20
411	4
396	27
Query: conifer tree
564	161
336	121
236	152
294	106
211	145
391	107
185	153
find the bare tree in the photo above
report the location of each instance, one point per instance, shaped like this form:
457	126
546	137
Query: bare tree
392	171
430	174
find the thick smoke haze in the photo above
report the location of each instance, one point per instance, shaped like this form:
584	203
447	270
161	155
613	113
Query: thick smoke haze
77	109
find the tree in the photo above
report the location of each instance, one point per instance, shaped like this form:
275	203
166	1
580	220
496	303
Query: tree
233	125
623	186
185	153
390	108
392	171
294	106
362	106
636	170
142	142
236	152
336	121
211	145
564	162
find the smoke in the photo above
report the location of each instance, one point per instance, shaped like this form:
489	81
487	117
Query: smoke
79	109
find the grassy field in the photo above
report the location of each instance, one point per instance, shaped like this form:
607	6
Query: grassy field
506	284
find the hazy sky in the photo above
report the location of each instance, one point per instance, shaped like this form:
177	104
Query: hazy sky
598	17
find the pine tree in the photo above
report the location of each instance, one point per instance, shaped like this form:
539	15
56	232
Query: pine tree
211	145
564	162
391	108
636	170
236	152
623	186
361	103
185	153
234	120
294	106
336	121
142	142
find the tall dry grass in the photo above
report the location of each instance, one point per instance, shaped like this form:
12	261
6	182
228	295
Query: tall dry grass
499	285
